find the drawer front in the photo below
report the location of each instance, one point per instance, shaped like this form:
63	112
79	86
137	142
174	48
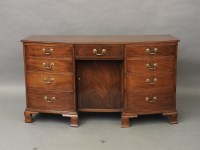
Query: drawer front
150	101
151	50
46	100
99	51
50	81
49	50
151	66
137	83
49	65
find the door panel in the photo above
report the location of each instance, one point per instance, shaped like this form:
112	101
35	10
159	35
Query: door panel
99	85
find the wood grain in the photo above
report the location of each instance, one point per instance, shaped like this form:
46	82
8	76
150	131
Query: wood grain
61	81
140	51
86	51
59	65
138	82
137	101
138	66
99	86
59	50
63	100
122	39
113	82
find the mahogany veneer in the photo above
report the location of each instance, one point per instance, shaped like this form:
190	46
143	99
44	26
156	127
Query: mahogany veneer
135	75
94	78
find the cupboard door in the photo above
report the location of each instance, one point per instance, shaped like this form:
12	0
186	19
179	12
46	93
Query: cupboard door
99	85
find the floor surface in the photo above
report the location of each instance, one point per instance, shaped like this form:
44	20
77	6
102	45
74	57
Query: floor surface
99	131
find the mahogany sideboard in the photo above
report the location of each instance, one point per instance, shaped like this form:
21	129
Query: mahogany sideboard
135	75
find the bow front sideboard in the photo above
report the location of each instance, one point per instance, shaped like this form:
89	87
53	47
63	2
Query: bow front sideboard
135	75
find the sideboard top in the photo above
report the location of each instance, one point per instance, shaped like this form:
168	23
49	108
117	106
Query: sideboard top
127	39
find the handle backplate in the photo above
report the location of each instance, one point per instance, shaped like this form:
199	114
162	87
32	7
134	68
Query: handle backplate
152	67
103	52
48	67
48	80
151	99
155	80
152	51
47	51
49	100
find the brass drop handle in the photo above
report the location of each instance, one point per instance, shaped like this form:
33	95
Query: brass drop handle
49	100
155	80
103	51
48	67
151	99
152	52
48	81
47	51
152	67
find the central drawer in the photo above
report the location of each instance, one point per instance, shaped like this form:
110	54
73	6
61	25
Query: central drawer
91	51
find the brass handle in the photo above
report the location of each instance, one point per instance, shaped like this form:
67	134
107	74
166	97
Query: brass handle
103	51
49	100
152	67
152	83
152	52
48	81
48	67
151	99
47	51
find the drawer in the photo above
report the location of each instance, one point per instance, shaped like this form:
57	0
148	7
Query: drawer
49	50
50	81
99	51
143	82
151	50
49	65
151	66
150	101
50	100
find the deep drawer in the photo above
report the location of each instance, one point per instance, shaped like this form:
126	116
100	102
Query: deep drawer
49	65
99	51
151	66
150	50
150	101
50	81
50	100
143	82
49	50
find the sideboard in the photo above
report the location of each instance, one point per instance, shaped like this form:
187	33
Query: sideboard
135	75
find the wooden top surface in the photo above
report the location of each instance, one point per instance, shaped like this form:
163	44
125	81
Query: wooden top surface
128	39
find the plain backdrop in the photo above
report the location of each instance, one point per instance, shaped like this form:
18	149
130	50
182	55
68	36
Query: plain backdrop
22	18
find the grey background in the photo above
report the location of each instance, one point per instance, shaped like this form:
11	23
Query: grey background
21	18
